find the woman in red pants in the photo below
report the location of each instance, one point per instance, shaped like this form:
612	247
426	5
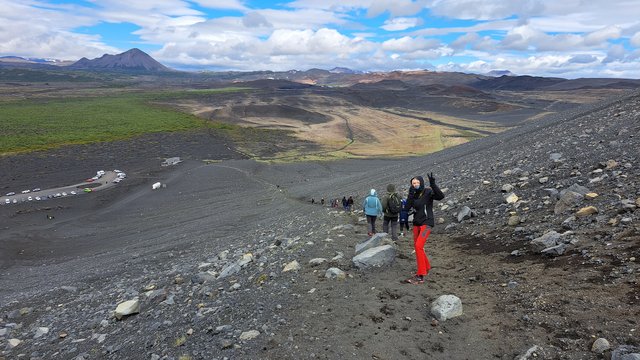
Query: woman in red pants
420	201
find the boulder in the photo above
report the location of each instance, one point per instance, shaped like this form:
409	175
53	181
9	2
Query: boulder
229	270
576	188
591	195
375	257
507	188
568	199
626	352
13	343
126	308
628	205
376	240
446	307
545	241
465	214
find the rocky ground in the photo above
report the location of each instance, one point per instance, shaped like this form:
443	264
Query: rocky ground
538	237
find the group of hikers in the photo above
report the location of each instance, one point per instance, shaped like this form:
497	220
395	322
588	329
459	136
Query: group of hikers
393	209
347	204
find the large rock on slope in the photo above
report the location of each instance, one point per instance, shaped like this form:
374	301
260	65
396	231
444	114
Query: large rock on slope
375	257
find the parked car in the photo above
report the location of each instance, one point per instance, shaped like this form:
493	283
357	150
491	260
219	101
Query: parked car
87	190
30	198
36	189
26	191
7	201
10	193
38	198
73	192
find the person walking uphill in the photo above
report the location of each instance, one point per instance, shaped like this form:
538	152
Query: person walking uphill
391	208
372	209
420	200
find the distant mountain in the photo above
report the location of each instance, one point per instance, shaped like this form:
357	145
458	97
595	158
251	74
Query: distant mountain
343	70
131	60
21	62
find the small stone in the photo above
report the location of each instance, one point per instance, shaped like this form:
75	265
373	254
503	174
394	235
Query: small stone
507	188
638	202
190	332
235	286
440	221
249	335
226	344
335	273
446	307
292	266
514	220
317	261
127	308
600	345
178	280
486	182
591	195
543	180
586	211
611	164
434	322
63	334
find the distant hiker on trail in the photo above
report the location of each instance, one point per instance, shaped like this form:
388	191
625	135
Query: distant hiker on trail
322	201
372	209
350	203
313	201
420	200
404	217
391	209
345	203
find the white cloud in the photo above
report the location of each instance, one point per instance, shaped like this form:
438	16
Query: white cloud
486	9
615	53
599	37
409	44
635	40
401	23
222	4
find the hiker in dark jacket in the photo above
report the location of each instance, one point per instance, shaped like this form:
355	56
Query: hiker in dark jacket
390	216
420	201
350	203
404	217
345	203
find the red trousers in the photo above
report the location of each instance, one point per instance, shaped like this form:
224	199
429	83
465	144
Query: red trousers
420	235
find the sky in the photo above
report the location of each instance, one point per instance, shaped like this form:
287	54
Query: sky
566	38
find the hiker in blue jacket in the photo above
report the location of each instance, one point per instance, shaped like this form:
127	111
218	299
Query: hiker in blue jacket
404	217
372	209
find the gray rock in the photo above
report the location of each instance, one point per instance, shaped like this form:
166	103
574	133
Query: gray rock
555	157
545	241
446	307
226	344
70	289
12	343
335	273
567	201
628	205
292	266
3	332
507	188
375	241
375	257
626	352
317	261
576	188
569	222
223	329
514	220
464	214
552	193
203	277
555	250
40	332
229	270
532	353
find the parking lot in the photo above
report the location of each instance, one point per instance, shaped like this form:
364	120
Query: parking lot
102	180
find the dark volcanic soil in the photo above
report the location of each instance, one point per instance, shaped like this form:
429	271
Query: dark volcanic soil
205	256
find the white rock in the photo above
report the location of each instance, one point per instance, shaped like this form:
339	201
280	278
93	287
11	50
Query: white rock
375	257
507	188
249	335
127	308
543	180
245	259
512	198
14	342
446	307
292	266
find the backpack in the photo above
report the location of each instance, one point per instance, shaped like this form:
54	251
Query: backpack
393	204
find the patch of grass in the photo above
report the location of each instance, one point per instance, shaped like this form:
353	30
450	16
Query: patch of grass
43	124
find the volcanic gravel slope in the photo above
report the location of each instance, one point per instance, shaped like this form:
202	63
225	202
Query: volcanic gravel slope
205	257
